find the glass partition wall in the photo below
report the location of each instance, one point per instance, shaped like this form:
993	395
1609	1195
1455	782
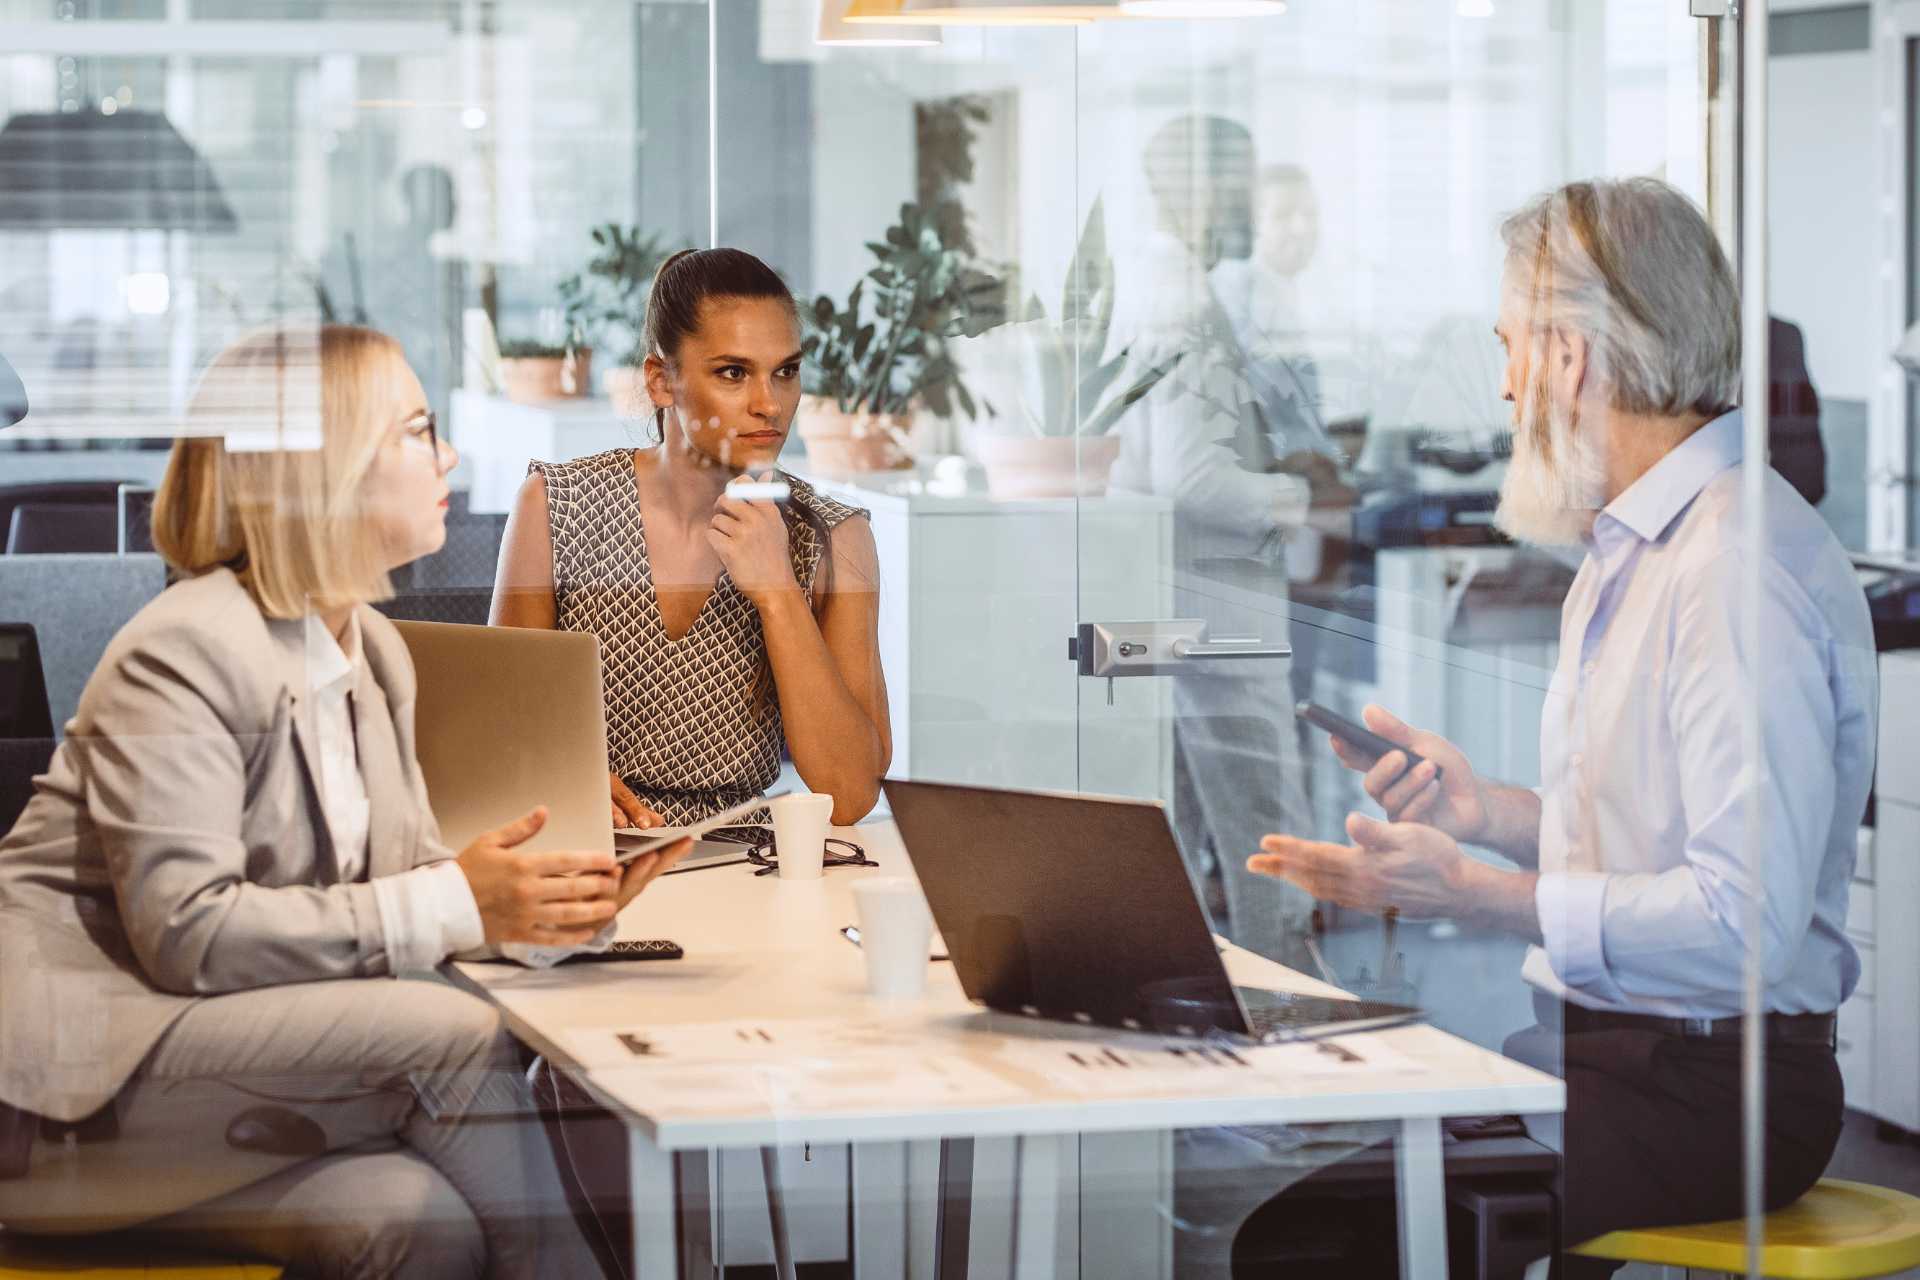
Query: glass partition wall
1168	358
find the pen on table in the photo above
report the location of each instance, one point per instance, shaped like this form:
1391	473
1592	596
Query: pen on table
851	933
1339	1051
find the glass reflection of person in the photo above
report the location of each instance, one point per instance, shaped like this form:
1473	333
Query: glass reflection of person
731	628
1205	438
1260	294
204	908
1620	318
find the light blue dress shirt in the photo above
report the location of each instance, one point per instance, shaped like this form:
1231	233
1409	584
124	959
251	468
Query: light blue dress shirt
1644	883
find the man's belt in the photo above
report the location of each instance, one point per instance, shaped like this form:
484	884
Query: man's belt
1781	1028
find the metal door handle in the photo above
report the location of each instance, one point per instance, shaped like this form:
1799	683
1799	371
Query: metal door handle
1248	648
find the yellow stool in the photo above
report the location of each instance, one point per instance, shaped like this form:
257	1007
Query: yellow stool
1837	1231
82	1258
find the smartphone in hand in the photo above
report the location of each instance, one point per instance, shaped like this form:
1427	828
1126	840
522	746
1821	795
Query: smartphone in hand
1357	736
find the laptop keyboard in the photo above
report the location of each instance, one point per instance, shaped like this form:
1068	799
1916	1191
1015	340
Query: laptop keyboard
1271	1014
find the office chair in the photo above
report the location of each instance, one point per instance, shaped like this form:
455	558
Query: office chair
26	722
60	528
87	493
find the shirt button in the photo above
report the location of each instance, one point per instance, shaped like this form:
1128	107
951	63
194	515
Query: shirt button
1590	668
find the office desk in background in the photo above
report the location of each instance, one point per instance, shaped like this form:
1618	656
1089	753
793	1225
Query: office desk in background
765	950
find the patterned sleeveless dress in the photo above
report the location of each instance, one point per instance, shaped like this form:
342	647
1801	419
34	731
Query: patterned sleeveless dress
692	724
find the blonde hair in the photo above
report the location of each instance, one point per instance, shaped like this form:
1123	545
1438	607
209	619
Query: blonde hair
268	477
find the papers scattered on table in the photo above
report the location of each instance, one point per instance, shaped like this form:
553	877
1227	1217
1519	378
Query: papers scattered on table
787	1065
1141	1065
802	1064
765	1040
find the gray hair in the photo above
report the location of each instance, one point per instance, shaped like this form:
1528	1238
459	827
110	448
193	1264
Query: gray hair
1633	266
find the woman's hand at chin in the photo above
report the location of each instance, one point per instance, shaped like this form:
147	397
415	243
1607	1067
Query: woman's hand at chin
751	541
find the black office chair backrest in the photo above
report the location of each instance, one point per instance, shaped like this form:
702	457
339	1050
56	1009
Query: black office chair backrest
21	761
86	493
39	529
26	723
467	605
24	712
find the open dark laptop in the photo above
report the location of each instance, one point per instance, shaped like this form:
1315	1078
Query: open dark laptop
1081	909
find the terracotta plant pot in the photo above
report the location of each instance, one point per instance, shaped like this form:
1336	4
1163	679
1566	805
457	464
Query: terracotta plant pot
533	379
1021	467
627	388
842	443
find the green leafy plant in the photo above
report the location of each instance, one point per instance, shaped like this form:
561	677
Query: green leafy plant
610	295
1060	384
888	345
944	136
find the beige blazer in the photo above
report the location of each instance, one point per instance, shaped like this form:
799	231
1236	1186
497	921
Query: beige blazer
176	848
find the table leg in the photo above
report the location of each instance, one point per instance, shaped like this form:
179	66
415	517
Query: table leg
1045	1208
1422	1200
1126	1221
661	1230
777	1214
877	1195
954	1228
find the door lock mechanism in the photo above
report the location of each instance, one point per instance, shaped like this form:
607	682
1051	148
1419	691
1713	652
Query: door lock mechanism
1164	647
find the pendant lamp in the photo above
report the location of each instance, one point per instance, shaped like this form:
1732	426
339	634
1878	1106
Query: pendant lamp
1203	8
978	13
834	29
89	169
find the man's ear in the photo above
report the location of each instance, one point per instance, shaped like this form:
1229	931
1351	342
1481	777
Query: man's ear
1569	354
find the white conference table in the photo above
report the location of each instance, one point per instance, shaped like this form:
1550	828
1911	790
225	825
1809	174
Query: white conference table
759	948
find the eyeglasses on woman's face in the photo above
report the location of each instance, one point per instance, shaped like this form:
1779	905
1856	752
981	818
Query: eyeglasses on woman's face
423	429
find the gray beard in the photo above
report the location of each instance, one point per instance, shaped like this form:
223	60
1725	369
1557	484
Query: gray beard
1550	501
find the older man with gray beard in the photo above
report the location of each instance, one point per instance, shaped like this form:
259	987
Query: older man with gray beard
1635	877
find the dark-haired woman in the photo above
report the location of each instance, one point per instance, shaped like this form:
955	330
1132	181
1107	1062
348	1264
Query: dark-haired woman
729	627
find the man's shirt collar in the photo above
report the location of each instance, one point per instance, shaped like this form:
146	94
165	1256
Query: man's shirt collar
1651	503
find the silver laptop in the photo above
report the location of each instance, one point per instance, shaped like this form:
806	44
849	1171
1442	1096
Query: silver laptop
508	718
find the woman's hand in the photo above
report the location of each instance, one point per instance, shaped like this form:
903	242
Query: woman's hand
552	898
751	540
628	811
648	867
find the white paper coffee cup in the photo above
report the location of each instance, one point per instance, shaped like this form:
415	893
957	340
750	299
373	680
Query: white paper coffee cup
895	930
800	834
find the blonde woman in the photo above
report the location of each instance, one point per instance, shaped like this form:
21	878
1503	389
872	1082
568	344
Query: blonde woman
204	909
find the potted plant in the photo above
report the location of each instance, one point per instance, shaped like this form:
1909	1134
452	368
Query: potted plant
532	371
609	299
1066	394
871	362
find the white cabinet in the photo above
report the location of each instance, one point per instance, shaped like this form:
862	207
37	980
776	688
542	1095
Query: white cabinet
1881	1023
497	438
977	601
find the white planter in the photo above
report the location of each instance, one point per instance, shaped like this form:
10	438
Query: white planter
1021	467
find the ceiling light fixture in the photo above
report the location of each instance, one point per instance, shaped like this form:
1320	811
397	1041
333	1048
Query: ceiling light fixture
1203	8
977	13
834	30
